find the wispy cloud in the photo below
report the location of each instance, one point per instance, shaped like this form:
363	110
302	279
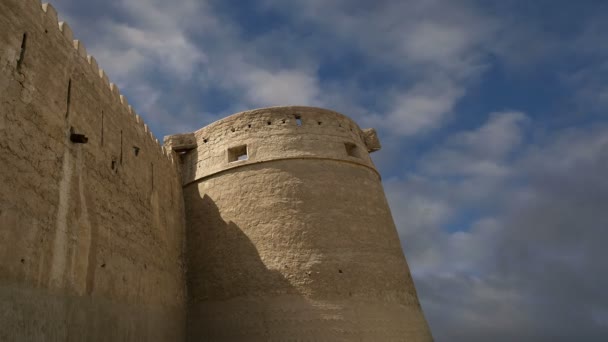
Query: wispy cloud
534	223
501	212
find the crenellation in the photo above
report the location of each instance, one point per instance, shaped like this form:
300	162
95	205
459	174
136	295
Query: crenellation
277	213
79	47
93	63
104	78
66	30
50	11
115	91
86	215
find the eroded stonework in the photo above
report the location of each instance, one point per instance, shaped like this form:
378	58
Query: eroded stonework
269	224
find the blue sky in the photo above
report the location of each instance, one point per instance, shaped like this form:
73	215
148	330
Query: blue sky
493	118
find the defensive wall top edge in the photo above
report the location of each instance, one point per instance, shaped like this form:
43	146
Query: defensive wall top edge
270	134
305	114
49	13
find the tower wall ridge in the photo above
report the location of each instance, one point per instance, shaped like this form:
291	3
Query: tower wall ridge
80	48
304	132
277	214
91	205
287	227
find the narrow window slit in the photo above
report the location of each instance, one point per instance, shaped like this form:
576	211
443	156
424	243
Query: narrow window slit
22	53
121	147
67	111
102	128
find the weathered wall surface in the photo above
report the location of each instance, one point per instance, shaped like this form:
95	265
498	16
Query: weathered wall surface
275	133
91	234
297	241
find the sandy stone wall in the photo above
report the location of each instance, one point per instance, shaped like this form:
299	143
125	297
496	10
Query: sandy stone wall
91	208
296	240
271	134
289	235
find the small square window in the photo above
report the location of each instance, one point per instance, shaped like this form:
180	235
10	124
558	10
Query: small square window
237	153
352	150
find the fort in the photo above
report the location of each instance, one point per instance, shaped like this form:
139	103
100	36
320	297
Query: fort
267	225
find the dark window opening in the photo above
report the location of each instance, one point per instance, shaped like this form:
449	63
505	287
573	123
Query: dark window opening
352	150
22	53
237	153
67	110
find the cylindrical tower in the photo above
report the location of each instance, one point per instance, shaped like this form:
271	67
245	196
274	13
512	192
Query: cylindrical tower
289	234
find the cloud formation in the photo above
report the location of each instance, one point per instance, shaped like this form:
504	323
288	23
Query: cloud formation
526	265
492	118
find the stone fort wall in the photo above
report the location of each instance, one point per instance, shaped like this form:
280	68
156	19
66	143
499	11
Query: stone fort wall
289	232
270	224
91	206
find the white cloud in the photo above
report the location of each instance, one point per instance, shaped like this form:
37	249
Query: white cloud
285	87
590	87
534	237
171	51
480	152
452	47
422	108
439	47
464	172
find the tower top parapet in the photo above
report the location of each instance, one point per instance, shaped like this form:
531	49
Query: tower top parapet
274	133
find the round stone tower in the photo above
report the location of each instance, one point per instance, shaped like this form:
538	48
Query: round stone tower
289	234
